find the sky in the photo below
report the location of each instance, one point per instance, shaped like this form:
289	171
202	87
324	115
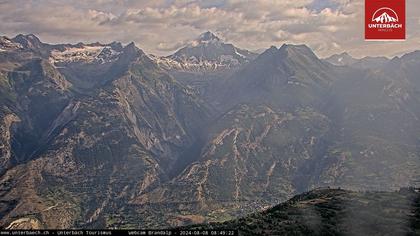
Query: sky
162	26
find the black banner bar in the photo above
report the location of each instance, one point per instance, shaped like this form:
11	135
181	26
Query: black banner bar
173	232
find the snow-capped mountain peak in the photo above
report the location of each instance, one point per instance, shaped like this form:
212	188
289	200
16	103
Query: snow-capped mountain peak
205	38
208	37
28	41
206	53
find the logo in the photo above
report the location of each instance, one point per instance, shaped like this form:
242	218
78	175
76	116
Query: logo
385	15
384	19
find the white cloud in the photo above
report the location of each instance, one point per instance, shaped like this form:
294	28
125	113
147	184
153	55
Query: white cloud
161	26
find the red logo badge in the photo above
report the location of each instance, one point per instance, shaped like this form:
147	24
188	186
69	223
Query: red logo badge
384	19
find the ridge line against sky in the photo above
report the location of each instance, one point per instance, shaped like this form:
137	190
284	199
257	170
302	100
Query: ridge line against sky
162	26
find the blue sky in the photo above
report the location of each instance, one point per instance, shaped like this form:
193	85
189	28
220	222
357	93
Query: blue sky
320	5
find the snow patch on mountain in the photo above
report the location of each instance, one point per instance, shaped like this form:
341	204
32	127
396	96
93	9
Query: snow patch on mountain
85	53
194	64
6	44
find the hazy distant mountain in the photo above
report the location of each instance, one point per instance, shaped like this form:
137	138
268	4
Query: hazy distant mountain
101	135
28	41
281	77
344	59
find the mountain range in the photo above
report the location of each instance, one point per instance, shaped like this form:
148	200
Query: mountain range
106	136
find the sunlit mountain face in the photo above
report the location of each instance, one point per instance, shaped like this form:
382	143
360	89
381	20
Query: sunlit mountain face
105	135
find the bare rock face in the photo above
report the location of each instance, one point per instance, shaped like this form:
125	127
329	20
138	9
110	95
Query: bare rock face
5	143
25	223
